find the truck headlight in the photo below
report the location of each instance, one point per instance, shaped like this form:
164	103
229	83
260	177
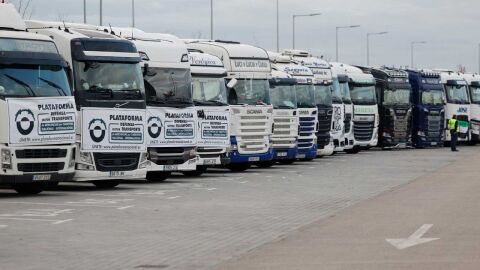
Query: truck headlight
143	160
71	163
6	159
192	153
421	134
425	110
86	157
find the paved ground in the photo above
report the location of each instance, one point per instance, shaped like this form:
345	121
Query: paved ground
444	204
198	223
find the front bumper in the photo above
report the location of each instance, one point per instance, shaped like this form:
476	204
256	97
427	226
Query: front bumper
28	178
285	154
213	161
86	175
236	157
189	165
327	150
308	153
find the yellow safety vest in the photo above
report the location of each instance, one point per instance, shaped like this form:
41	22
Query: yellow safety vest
452	123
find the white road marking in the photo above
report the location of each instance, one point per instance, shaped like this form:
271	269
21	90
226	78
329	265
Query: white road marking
125	207
62	221
414	239
211	189
38	213
172	198
243	182
53	221
3	226
64	204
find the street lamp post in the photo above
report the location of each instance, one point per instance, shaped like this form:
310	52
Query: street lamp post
368	44
133	13
278	27
336	37
211	19
479	58
85	11
301	15
101	11
412	44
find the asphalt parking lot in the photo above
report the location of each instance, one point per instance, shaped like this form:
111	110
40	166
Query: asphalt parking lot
196	223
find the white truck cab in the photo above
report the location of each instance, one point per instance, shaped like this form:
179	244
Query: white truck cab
285	113
307	109
473	81
330	111
171	115
458	103
37	128
110	97
341	81
251	120
365	109
211	104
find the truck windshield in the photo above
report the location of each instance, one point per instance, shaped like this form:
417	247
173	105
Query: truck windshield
98	77
305	96
345	93
249	92
432	97
209	91
323	94
457	94
475	94
396	97
336	92
168	86
363	94
33	81
283	96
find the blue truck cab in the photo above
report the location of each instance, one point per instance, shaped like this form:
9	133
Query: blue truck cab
428	108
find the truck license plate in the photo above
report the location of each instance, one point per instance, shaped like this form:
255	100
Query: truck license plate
171	167
209	161
282	154
42	177
301	156
433	143
253	159
117	174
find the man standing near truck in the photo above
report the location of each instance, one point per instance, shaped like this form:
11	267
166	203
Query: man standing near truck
453	126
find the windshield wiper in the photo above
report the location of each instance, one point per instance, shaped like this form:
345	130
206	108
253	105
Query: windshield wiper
22	83
131	93
285	107
54	85
209	102
100	90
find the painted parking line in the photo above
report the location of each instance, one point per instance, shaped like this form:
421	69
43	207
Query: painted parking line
52	221
3	226
42	215
70	204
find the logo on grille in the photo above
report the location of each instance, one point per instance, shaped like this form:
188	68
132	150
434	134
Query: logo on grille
154	127
97	129
25	121
254	111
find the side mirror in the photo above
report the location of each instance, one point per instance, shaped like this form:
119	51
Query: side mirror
145	70
232	83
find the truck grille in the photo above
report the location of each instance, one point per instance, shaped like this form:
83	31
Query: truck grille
41	167
253	137
41	153
363	131
435	126
348	119
106	162
324	127
307	132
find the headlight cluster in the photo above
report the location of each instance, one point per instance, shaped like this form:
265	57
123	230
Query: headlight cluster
6	159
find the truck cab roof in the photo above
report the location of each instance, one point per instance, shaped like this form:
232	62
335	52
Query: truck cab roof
356	74
472	79
451	78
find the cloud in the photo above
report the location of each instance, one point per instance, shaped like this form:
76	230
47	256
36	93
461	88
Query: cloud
449	27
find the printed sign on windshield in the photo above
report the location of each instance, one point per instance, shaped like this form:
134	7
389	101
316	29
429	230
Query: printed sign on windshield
171	127
113	130
42	120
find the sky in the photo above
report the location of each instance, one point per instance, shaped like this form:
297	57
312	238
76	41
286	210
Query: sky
449	28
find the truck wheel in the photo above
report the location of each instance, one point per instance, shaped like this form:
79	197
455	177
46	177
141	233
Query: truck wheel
106	184
286	161
238	167
265	164
198	172
30	189
158	176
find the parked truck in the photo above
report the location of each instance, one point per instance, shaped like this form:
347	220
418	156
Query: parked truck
366	117
330	114
458	103
428	108
37	138
395	110
110	98
307	110
473	81
251	120
171	116
210	99
342	80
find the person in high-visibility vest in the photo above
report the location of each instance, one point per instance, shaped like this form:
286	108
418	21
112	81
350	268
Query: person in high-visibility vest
454	129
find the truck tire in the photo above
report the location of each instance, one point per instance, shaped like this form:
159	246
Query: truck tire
265	164
106	183
30	189
158	176
238	167
198	172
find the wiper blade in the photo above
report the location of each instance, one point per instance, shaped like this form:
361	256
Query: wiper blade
96	89
285	107
209	102
22	83
54	85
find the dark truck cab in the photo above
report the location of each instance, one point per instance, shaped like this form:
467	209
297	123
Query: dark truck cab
394	107
428	108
